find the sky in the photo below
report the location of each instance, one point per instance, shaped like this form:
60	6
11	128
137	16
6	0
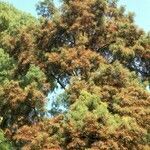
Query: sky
26	5
141	8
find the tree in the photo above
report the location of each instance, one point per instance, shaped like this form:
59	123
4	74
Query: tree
21	81
93	49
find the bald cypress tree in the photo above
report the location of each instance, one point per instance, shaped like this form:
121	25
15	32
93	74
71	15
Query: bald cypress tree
96	53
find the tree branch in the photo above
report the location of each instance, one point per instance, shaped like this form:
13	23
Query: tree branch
58	81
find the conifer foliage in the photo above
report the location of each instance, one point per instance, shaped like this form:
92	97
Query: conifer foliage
94	51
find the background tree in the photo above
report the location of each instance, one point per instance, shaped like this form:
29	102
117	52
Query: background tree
22	82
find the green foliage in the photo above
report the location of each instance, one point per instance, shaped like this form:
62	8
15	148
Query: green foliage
4	143
6	66
12	19
90	104
34	75
87	104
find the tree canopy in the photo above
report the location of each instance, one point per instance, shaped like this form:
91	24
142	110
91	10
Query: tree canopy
100	58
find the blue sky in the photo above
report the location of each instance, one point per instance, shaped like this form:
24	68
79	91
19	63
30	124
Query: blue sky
140	7
26	5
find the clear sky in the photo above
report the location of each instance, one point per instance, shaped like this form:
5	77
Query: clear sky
26	5
140	7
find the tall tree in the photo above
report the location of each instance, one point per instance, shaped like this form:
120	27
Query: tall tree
93	49
22	82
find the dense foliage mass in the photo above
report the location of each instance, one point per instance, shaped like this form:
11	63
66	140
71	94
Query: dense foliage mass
94	51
